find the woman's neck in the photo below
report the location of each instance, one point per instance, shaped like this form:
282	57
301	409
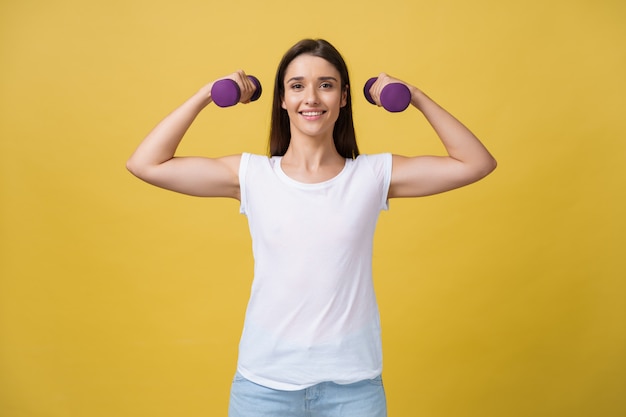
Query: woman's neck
308	160
312	152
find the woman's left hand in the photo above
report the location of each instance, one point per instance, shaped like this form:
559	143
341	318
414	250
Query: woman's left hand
382	81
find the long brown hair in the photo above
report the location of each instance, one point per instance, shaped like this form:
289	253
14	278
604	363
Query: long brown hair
343	132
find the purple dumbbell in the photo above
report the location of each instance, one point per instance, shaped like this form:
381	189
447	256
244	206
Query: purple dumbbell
395	97
226	92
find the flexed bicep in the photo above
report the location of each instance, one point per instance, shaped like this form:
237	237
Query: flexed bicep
197	176
427	175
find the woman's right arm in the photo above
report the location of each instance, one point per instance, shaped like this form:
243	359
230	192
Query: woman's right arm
154	160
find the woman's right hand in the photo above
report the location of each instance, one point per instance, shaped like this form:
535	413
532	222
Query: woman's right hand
246	86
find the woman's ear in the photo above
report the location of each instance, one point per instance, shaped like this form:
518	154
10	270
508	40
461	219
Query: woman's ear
344	96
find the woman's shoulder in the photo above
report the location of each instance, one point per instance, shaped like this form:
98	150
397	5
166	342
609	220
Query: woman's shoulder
259	160
377	163
374	158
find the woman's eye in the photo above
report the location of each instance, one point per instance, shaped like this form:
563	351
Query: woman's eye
296	86
326	85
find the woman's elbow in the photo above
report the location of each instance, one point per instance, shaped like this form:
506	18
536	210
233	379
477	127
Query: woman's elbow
130	166
487	167
134	167
492	164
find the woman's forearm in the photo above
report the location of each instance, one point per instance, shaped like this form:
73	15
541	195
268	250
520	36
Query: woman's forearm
459	142
160	144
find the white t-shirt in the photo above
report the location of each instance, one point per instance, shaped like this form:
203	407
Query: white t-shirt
312	315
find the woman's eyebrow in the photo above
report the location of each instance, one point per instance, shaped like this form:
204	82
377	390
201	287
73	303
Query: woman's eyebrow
327	78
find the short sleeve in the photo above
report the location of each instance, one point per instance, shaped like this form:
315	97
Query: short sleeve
243	170
380	165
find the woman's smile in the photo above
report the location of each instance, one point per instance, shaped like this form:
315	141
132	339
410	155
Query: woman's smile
312	115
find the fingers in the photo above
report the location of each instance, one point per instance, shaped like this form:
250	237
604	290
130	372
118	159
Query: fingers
379	85
381	81
245	84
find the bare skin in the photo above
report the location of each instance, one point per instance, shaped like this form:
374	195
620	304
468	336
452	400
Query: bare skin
313	97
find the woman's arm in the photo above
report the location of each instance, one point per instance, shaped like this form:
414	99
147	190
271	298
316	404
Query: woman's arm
467	160
154	162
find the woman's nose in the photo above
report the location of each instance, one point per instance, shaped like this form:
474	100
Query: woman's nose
311	96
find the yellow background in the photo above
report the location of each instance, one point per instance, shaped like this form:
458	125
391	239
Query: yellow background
505	298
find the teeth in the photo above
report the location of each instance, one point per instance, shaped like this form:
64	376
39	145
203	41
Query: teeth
312	113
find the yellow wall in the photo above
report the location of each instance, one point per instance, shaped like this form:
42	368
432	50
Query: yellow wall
506	298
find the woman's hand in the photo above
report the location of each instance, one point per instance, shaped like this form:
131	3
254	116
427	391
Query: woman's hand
381	82
246	86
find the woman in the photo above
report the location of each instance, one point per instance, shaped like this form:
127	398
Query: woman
311	340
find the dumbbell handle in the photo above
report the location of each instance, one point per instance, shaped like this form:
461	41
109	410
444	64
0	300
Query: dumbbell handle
226	92
395	97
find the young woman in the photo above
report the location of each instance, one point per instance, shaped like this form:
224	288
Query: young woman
311	340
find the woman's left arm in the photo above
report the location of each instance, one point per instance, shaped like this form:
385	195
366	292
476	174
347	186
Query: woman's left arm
467	161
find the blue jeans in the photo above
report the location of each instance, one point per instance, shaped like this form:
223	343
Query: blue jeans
327	399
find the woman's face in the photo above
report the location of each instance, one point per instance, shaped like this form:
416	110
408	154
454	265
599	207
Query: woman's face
313	96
